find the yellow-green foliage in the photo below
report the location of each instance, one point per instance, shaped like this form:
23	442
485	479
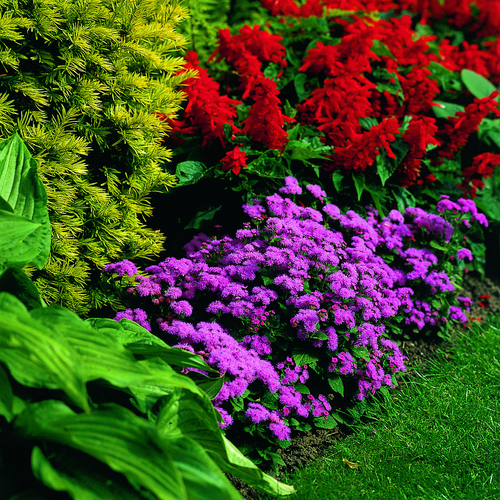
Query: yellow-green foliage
202	27
82	81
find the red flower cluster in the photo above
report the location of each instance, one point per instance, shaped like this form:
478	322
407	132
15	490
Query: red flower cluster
482	167
265	120
459	128
419	135
246	52
363	149
234	160
206	111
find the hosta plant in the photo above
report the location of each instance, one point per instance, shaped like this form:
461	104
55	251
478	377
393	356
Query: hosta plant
302	307
97	409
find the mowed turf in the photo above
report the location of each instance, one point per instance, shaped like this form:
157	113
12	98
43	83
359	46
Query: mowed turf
436	438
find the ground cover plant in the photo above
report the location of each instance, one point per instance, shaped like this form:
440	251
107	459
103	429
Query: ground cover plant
379	102
303	305
437	437
95	409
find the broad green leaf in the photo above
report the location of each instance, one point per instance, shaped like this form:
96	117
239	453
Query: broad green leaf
141	342
36	355
359	182
189	172
477	84
299	83
325	423
336	384
361	353
380	49
303	358
15	244
6	396
337	180
114	435
15	281
81	475
269	165
386	166
444	109
104	357
437	246
200	217
21	189
183	414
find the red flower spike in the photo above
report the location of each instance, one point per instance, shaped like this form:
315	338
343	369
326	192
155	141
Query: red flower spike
361	153
482	167
487	296
265	120
234	160
484	306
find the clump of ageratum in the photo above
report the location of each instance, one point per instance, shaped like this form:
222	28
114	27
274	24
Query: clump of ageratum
298	306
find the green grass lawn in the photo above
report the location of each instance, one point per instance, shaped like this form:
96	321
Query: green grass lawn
437	438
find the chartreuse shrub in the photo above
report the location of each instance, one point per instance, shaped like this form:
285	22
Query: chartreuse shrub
98	409
83	83
300	310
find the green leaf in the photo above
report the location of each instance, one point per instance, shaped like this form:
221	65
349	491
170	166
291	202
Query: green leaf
478	85
299	83
437	246
202	216
125	442
6	396
446	109
337	180
37	355
189	172
336	384
380	49
325	423
304	358
23	192
194	417
15	281
103	357
82	476
361	353
359	182
143	343
269	164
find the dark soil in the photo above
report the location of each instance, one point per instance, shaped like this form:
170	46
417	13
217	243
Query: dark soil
312	444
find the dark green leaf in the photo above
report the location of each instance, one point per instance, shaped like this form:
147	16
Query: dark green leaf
359	182
184	415
325	423
361	353
6	396
304	358
189	172
15	281
336	384
478	85
202	216
299	82
337	180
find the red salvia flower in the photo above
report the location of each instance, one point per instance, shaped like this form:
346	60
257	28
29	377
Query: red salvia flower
206	110
364	148
419	135
465	122
265	120
419	91
234	160
482	167
471	57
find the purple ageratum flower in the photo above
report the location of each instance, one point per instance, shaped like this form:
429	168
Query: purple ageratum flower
138	315
291	186
466	301
457	314
122	268
182	307
316	191
464	253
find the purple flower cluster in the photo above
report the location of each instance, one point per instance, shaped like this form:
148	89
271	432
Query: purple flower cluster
336	292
